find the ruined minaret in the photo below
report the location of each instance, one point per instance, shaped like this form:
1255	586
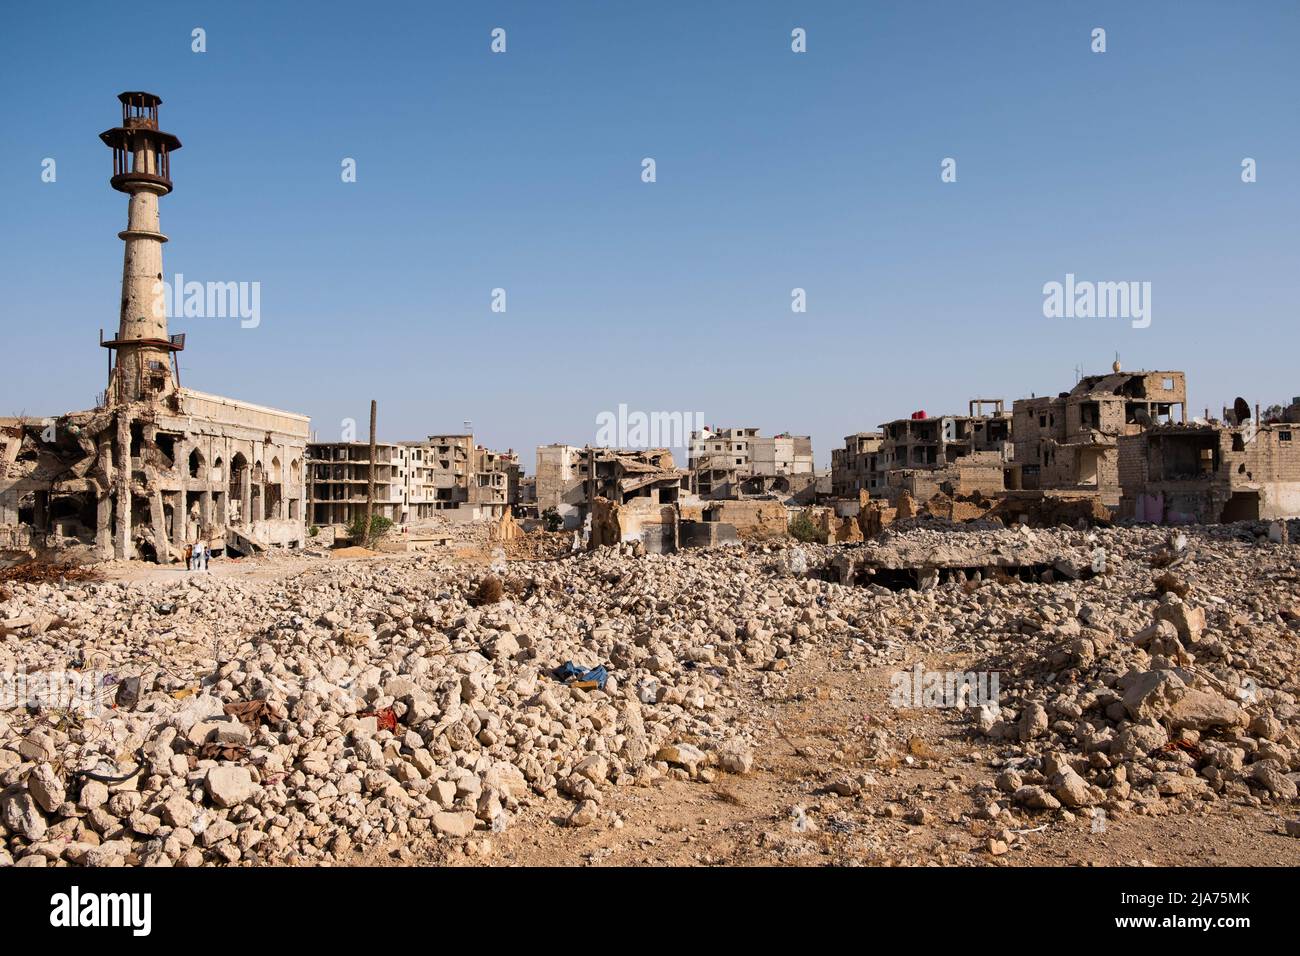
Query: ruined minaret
141	169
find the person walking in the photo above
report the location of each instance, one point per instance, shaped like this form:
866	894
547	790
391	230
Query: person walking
207	555
196	555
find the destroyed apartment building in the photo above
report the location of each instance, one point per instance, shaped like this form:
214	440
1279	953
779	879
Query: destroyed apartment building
855	468
641	497
570	476
1117	446
738	462
444	476
338	482
633	496
1049	459
950	454
1069	444
469	483
561	483
153	467
1211	471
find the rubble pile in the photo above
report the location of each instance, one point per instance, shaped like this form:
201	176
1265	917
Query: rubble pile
540	545
300	719
32	572
315	716
1149	691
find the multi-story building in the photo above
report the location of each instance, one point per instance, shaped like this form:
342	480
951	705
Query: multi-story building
782	454
494	487
561	482
717	458
1209	472
922	442
856	467
338	480
956	454
731	462
1070	441
450	463
444	476
420	500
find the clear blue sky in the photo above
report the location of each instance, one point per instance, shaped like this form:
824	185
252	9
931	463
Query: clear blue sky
775	170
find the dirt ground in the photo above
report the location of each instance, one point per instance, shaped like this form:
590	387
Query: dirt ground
818	731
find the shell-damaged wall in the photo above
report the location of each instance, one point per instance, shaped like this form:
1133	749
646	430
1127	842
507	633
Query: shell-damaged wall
149	479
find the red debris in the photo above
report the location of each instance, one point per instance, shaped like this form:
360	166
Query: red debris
385	719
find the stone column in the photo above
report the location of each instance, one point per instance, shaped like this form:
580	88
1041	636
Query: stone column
158	518
180	521
181	527
246	496
103	522
286	468
122	531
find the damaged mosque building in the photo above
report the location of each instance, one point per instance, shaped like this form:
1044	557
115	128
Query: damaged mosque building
154	467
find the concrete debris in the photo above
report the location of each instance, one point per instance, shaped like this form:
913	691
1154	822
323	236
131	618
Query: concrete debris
443	724
1177	700
288	743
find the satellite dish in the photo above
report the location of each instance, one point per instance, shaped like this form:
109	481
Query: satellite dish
1241	410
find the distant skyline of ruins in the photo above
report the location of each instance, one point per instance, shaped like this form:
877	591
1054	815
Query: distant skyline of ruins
775	171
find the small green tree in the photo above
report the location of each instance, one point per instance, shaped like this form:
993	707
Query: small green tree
802	528
379	526
313	531
551	520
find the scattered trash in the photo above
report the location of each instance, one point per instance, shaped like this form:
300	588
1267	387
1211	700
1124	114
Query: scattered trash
96	775
218	751
1247	692
253	712
385	719
575	676
1174	746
